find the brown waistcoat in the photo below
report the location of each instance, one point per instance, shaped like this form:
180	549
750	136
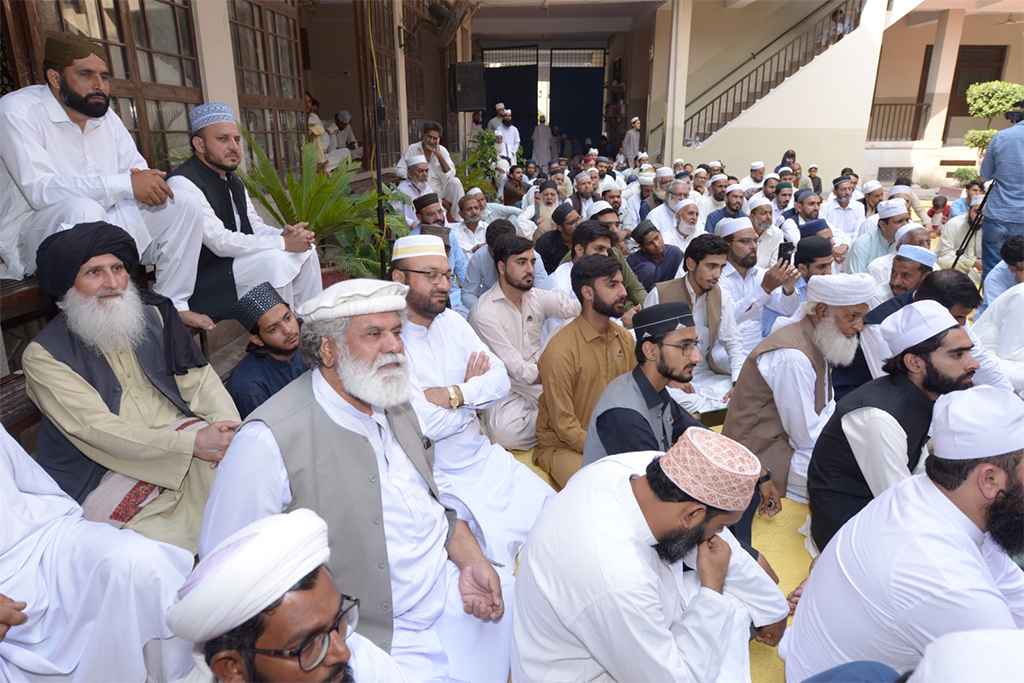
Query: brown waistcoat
675	290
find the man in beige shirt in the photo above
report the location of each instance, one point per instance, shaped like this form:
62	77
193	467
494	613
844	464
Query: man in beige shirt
578	363
509	317
124	392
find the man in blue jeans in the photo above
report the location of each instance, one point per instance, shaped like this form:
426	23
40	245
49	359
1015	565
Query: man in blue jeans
1004	210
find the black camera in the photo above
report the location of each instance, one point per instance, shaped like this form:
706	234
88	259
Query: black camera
1016	115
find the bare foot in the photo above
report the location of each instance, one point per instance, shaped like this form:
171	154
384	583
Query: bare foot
198	320
763	561
794	597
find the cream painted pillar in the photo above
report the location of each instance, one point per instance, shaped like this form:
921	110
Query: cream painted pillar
460	56
679	64
216	58
940	73
403	99
661	59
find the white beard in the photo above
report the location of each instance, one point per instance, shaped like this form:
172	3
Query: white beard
370	384
833	344
419	185
685	228
106	325
673	204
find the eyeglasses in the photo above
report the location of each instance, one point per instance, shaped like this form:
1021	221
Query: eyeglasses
434	277
314	649
747	241
686	347
675	195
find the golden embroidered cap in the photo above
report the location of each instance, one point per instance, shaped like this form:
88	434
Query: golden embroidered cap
417	245
712	468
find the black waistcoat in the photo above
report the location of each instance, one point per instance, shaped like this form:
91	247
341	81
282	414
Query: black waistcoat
847	378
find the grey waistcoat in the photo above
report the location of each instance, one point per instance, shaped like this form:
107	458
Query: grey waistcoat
333	472
623	392
73	471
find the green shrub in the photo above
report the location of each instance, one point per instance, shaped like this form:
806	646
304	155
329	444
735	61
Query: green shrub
978	139
965	174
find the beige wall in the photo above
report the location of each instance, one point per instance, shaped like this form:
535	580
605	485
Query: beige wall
332	76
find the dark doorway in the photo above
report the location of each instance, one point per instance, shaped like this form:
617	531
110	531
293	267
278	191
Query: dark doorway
577	93
514	83
974	64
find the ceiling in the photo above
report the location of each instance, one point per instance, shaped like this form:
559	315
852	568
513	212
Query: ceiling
558	23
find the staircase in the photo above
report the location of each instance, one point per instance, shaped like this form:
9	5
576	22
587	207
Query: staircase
730	97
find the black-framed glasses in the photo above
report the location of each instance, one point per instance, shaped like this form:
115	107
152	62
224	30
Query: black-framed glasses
686	347
314	649
434	277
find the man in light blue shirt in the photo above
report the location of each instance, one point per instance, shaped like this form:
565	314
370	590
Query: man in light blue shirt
963	204
1004	209
481	273
1008	272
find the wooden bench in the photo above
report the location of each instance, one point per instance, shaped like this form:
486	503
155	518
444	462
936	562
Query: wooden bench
17	411
22	297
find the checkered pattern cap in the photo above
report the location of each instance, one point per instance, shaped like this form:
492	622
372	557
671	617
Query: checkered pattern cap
203	115
257	301
712	468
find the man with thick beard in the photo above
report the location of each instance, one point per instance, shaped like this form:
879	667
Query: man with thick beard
67	158
877	436
124	391
414	187
239	249
630	575
784	394
714	199
344	441
455	375
928	557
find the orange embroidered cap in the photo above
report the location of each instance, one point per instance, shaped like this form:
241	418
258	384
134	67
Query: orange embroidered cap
712	468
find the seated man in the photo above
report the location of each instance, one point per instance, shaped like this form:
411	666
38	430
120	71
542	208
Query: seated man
454	378
413	187
880	240
813	257
877	437
124	391
909	266
515	187
784	394
68	159
952	237
1009	272
578	363
343	143
678	218
261	607
589	238
271	361
927	557
470	232
90	599
553	245
769	235
441	172
630	575
510	318
806	207
1000	332
537	218
635	412
654	261
913	234
239	249
344	441
733	209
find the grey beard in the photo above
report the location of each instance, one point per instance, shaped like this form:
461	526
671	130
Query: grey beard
368	383
109	325
838	350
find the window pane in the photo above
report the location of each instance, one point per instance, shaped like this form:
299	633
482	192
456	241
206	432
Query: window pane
145	69
83	16
125	108
153	115
49	12
138	25
174	116
112	21
118	64
185	28
168	70
190	73
160	19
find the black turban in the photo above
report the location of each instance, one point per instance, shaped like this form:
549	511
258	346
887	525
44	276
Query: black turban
661	319
63	253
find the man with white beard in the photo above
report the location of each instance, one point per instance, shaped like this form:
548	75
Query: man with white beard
770	235
471	231
784	397
415	186
344	441
536	219
124	391
677	218
455	376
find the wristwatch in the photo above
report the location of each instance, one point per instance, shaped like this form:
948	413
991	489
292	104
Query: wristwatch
453	398
766	478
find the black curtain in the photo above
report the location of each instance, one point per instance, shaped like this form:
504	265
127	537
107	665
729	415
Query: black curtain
516	86
577	102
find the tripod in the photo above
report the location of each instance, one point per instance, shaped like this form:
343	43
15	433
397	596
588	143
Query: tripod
973	228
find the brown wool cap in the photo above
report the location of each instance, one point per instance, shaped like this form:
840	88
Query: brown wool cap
438	231
65	48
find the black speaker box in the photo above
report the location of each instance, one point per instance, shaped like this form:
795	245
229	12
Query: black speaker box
466	80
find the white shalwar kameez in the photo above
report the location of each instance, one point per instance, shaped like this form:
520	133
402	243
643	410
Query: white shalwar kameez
433	637
907	569
259	257
407	188
750	299
54	173
468	239
845	222
503	496
1001	333
594	602
541	145
706	206
97	596
445	184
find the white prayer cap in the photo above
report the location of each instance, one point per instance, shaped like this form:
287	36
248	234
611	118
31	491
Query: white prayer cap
344	116
499	106
598	207
503	164
841	290
678	161
474	190
977	199
247	572
735	187
728	226
646	167
755	202
771	176
916	253
700	170
507	111
416	160
899	189
979	422
608	184
871	186
417	245
891	207
978	655
812	166
686	202
642	155
718	176
664	172
785	169
907	229
355	297
646	179
915	323
757	165
634	120
712	164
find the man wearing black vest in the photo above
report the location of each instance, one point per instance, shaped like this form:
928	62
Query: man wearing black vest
877	435
124	392
240	251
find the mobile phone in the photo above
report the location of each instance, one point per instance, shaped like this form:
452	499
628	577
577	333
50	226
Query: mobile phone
786	251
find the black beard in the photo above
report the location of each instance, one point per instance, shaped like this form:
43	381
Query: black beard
665	371
939	383
219	166
612	310
425	305
342	669
719	196
83	105
1005	517
673	546
748	261
520	285
277	350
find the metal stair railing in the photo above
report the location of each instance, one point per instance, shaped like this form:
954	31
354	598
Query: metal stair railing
771	72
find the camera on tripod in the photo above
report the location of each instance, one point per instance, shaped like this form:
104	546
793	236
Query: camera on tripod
1016	115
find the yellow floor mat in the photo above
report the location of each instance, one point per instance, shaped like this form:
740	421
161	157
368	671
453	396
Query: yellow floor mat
526	457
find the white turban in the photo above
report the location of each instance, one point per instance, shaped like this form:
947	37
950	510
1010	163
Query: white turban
646	179
678	161
891	207
728	226
755	202
712	164
899	189
247	572
979	422
664	172
914	323
841	290
640	155
634	120
872	185
771	176
416	160
646	167
474	190
354	297
757	165
735	187
507	111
